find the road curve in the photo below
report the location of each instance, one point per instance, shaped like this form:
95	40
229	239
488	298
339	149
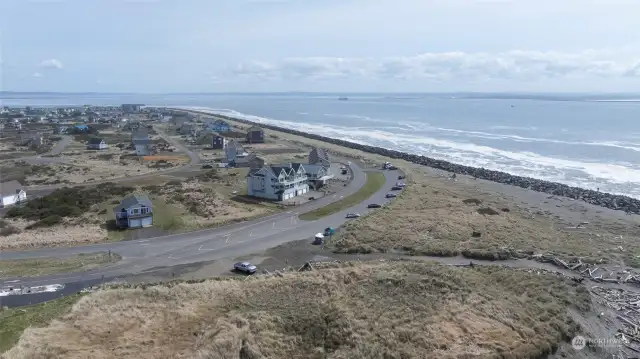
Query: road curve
204	245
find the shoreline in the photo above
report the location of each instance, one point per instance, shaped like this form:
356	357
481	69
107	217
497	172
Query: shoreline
601	199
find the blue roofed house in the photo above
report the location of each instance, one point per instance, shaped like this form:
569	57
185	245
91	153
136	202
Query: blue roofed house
80	128
277	182
135	211
219	126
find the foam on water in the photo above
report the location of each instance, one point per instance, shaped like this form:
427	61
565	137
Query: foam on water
619	178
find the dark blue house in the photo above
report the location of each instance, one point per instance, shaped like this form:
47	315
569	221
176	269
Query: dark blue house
81	128
220	126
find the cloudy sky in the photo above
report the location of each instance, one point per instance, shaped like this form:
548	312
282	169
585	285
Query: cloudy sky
320	45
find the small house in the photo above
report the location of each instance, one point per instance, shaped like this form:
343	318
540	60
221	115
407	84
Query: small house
81	128
143	147
218	142
11	192
234	151
220	126
59	130
96	143
255	135
135	211
250	160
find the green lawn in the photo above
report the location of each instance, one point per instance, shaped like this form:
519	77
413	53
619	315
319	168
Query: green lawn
15	320
43	266
375	181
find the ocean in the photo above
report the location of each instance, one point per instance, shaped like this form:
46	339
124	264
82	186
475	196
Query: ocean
584	143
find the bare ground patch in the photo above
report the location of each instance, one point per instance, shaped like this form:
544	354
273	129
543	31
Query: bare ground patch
408	310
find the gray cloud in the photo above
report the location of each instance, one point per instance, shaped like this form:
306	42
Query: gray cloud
512	65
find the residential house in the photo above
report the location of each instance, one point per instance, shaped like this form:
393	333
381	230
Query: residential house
11	192
96	143
234	151
143	147
319	156
280	182
220	126
250	160
218	142
188	128
139	134
81	128
135	211
318	175
255	135
59	130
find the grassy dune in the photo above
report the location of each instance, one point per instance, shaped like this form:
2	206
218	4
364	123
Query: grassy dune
375	181
43	266
367	311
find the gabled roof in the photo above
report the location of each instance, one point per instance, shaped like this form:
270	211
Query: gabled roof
95	141
132	200
10	188
140	133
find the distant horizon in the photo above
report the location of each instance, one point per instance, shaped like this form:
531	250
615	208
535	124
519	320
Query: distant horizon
331	93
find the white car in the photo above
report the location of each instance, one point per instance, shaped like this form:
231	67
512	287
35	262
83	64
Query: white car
245	267
353	215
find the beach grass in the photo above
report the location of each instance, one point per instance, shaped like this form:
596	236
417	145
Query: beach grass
14	321
45	266
375	181
405	309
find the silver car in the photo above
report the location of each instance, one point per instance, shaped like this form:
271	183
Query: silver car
245	267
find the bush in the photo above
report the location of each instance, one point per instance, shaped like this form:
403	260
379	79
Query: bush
67	202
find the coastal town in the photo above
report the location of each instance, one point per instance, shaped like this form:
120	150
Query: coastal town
131	177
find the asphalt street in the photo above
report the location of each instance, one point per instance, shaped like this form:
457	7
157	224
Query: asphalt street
204	245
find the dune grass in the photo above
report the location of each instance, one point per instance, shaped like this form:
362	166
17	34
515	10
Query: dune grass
15	320
375	181
358	311
44	266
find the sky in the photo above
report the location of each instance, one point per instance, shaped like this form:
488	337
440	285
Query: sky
160	46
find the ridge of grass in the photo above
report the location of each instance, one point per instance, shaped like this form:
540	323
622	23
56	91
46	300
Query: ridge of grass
375	181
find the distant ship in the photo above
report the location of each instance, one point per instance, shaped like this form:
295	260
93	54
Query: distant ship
343	98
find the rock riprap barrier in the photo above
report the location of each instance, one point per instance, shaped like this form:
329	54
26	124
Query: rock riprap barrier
607	200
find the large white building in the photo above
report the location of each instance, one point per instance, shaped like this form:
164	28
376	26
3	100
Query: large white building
279	183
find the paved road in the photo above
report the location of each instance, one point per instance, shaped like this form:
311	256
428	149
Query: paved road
205	245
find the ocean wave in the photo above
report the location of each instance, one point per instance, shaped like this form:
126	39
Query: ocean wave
610	177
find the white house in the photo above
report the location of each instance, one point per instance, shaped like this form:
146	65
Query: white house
279	183
97	144
135	211
318	175
12	192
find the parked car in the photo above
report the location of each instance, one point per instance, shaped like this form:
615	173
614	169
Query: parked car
245	267
353	215
391	195
374	205
401	177
396	188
